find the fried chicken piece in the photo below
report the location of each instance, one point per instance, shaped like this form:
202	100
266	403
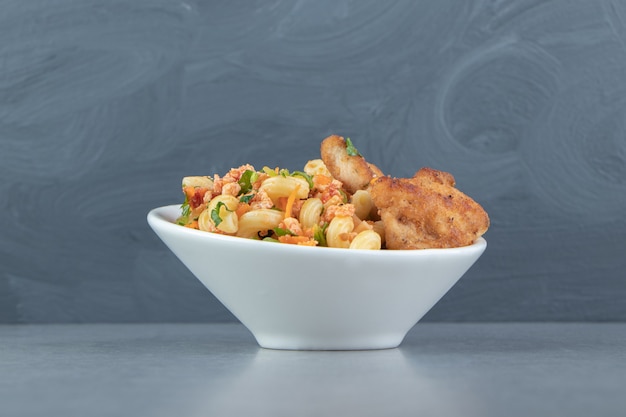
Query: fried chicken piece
352	170
427	211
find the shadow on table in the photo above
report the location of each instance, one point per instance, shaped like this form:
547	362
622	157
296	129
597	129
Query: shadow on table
381	382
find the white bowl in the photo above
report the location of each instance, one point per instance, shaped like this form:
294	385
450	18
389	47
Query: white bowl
317	298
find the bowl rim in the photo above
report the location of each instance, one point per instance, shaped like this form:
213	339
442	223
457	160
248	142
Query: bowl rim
163	218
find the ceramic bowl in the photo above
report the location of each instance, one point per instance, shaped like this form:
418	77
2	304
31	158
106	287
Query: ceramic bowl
317	298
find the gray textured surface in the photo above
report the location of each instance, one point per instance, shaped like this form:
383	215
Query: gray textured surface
105	105
441	369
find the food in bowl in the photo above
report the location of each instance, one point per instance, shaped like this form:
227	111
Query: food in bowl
425	234
339	200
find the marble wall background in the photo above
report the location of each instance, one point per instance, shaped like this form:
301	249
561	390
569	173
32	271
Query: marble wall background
105	105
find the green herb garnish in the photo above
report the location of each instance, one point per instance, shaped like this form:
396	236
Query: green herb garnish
319	234
215	213
186	210
350	149
247	180
246	198
269	171
304	175
344	196
283	232
185	213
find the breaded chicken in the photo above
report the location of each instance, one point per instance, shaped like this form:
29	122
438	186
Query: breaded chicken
427	211
348	167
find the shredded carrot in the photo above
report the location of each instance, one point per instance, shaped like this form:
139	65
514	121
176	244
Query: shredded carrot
297	240
192	225
291	200
189	191
281	203
242	209
321	179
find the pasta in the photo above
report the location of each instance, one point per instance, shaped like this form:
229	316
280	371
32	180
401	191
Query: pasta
279	186
255	221
335	201
338	232
206	182
316	167
311	212
222	214
367	239
362	204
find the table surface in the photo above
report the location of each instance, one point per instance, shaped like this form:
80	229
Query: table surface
504	369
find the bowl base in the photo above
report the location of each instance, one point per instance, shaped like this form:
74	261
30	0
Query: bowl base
283	342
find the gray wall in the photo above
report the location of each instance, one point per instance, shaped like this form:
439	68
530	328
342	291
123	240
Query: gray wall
105	105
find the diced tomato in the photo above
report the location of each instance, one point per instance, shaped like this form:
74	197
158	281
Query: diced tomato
196	197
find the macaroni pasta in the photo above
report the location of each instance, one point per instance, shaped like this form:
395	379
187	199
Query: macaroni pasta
308	207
